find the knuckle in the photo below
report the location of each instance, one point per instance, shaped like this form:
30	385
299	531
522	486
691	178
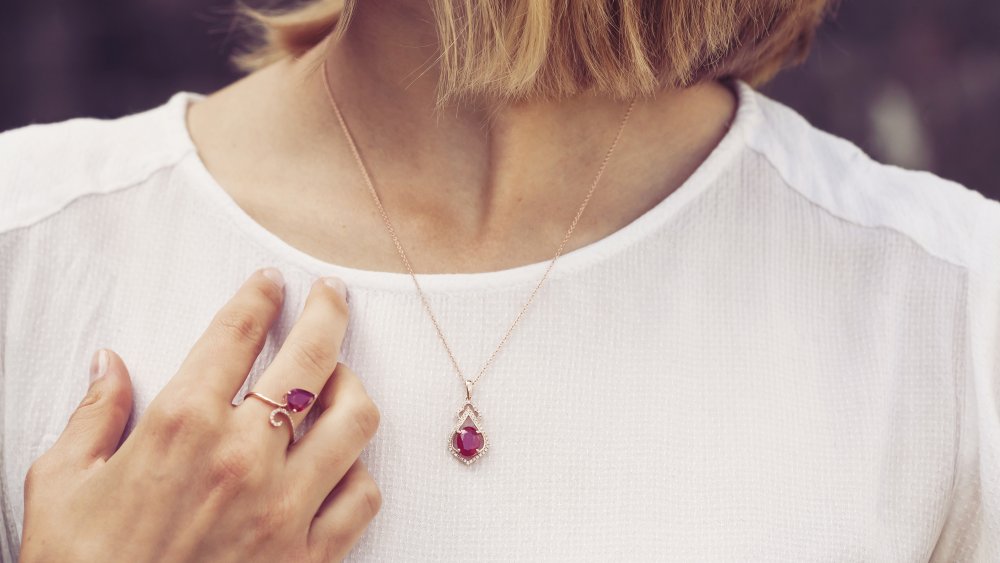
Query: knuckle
90	407
267	522
98	403
332	299
179	418
234	468
37	472
365	417
313	356
270	292
261	526
242	325
92	398
371	497
340	305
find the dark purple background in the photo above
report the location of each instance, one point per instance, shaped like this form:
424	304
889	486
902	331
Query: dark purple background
913	82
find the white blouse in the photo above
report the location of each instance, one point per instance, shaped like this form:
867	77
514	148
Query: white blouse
793	357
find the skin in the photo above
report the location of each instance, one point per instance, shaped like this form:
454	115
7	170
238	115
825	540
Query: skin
472	196
198	480
211	483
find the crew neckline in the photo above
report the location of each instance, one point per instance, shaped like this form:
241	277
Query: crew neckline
745	117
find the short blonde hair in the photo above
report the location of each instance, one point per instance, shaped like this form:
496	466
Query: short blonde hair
510	50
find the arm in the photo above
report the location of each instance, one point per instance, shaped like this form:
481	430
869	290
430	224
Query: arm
8	534
972	530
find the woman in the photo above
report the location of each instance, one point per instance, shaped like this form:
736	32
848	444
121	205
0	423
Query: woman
685	324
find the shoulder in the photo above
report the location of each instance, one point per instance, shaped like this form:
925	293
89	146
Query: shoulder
46	166
947	220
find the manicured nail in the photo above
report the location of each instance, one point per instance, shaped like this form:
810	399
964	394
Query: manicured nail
275	276
337	284
98	365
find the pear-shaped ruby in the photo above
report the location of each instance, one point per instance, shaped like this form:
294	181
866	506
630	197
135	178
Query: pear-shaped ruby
299	399
468	441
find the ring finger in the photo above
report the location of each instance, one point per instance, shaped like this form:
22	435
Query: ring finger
304	363
348	421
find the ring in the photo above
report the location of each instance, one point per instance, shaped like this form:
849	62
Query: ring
296	400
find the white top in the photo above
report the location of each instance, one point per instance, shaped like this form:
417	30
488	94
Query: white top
793	357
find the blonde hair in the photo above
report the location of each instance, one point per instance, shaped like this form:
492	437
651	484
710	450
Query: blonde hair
509	50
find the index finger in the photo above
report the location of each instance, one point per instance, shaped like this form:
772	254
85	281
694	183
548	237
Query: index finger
220	360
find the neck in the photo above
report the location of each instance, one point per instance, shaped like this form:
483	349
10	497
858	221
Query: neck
481	174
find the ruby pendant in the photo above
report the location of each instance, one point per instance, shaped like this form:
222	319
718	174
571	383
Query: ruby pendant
468	441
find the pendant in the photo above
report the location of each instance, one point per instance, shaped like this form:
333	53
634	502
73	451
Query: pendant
468	442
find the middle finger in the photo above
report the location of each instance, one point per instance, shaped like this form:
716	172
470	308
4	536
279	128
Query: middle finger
307	357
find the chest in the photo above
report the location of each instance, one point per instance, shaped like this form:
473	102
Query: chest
640	424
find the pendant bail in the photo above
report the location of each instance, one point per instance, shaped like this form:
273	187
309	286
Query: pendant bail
468	391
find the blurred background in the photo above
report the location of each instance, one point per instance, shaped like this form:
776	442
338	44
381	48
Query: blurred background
913	82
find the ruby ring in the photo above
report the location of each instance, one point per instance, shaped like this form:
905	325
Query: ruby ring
295	400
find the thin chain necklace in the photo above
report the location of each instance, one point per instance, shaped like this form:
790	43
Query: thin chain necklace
468	441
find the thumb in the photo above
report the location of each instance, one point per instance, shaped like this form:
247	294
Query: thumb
95	427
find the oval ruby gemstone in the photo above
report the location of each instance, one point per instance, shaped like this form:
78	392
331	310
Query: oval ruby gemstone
299	399
468	441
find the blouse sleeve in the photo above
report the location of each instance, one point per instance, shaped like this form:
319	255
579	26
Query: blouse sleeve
8	533
971	532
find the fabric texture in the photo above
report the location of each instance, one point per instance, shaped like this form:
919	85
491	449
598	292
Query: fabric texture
793	357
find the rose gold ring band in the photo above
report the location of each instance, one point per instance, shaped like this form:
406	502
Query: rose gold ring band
295	400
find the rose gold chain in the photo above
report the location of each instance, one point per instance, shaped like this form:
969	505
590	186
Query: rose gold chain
399	247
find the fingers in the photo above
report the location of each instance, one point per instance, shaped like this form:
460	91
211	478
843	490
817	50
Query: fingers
335	440
345	514
95	428
308	355
222	357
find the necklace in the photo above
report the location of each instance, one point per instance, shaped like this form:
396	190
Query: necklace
467	441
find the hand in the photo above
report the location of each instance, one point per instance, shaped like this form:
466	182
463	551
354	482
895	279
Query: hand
201	480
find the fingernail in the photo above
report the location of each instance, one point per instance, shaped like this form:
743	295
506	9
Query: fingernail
275	276
98	365
337	284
